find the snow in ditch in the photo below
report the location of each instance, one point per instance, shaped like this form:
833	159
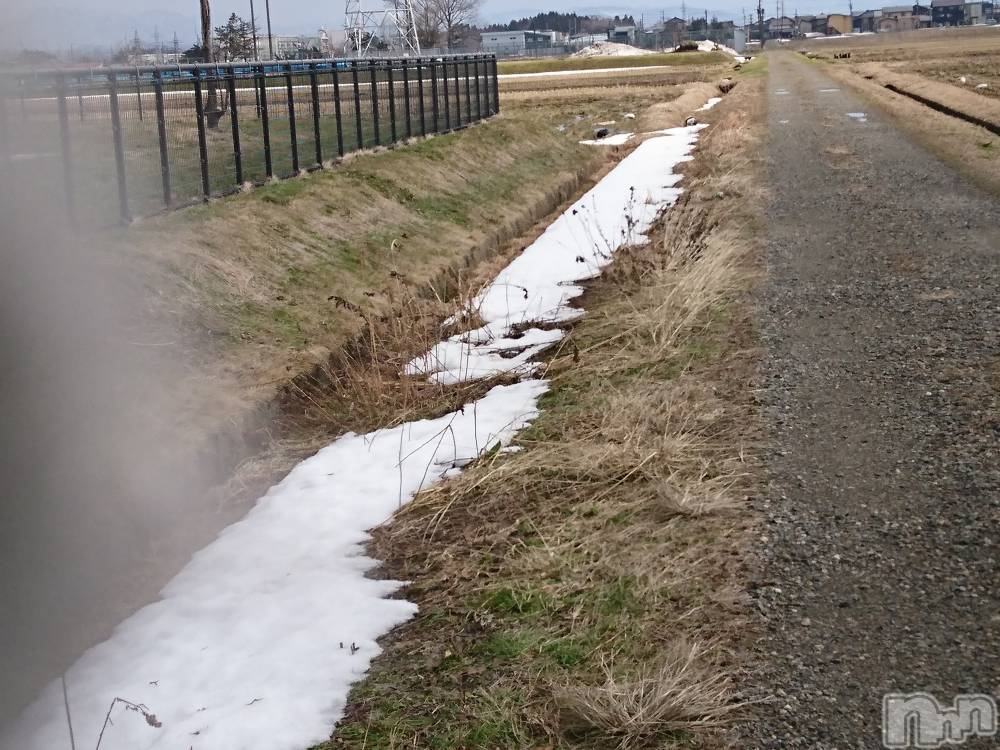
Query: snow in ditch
521	309
255	644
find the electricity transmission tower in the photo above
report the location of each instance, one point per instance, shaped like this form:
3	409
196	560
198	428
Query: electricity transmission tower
391	25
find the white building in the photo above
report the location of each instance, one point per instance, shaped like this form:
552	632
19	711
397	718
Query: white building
286	47
514	42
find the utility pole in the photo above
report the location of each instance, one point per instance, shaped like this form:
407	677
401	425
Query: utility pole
212	109
760	21
270	37
253	31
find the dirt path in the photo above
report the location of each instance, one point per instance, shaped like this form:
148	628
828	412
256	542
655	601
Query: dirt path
881	321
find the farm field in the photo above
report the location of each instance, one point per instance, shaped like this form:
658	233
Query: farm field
945	55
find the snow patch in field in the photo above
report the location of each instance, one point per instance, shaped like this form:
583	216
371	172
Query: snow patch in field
858	116
255	644
618	139
530	297
559	73
707	45
611	49
709	104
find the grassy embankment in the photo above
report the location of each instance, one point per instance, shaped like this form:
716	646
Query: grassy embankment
267	284
586	591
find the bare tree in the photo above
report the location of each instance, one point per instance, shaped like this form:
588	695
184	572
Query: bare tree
427	22
454	14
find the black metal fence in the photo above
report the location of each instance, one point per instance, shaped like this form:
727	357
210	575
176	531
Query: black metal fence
126	142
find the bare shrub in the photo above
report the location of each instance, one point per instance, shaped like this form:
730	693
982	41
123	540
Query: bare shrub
685	692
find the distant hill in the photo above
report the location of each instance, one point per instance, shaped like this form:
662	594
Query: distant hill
567	22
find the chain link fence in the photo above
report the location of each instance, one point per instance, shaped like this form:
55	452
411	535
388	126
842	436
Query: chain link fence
125	142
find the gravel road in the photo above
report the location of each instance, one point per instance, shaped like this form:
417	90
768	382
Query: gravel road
880	318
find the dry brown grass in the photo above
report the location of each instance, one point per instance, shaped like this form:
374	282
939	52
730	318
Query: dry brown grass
913	45
685	691
554	580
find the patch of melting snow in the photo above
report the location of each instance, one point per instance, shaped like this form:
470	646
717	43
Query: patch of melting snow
539	284
256	642
783	122
828	91
859	116
781	92
619	139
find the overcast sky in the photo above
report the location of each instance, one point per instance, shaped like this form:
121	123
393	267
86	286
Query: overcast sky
61	23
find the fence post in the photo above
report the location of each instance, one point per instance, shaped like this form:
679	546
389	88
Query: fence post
67	156
496	86
458	94
479	91
434	97
393	114
138	92
314	90
161	132
468	93
406	97
336	110
116	134
4	132
293	135
199	107
265	123
447	98
373	72
235	122
357	103
420	94
79	95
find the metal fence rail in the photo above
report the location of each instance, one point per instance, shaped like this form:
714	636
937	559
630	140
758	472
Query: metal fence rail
125	142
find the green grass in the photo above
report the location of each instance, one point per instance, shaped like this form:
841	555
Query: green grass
756	68
550	65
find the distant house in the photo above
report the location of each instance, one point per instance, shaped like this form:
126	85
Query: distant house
978	12
839	23
948	12
780	28
513	43
622	34
865	22
904	18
